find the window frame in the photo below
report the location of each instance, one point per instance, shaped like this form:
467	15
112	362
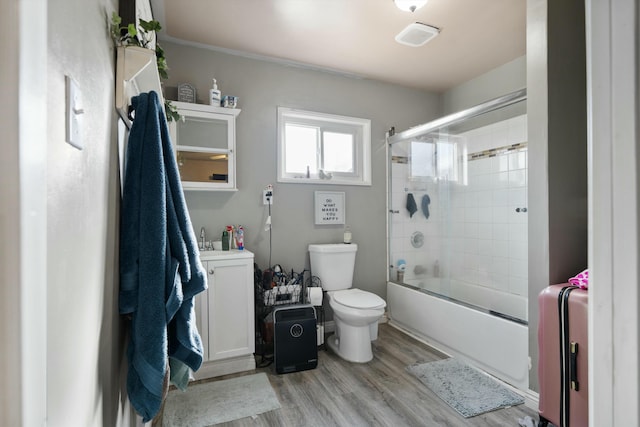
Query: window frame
358	127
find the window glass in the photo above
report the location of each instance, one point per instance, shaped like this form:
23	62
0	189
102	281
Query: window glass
323	148
337	152
301	148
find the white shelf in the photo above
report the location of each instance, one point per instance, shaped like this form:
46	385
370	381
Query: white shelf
136	72
206	108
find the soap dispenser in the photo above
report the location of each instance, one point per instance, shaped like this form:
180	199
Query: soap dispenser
214	94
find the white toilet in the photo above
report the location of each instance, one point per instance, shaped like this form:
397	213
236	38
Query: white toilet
355	312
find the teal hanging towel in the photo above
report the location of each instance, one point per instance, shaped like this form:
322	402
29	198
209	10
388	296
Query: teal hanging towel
411	205
426	200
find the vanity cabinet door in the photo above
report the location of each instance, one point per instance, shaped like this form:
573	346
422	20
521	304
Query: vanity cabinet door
230	305
204	142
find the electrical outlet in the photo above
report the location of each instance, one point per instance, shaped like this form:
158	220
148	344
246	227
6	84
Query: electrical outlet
267	197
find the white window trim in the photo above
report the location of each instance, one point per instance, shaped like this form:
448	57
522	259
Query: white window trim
363	146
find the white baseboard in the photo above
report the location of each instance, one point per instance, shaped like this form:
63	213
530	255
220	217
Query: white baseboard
531	399
224	367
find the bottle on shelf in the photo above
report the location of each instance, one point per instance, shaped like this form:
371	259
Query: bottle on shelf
215	95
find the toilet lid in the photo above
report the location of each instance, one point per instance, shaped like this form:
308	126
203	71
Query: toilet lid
355	298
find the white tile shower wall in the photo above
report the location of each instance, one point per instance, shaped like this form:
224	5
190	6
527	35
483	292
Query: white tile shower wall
494	226
480	242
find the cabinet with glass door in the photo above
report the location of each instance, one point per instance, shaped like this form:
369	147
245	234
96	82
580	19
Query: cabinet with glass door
205	142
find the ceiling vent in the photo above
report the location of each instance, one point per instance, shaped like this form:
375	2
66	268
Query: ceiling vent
417	34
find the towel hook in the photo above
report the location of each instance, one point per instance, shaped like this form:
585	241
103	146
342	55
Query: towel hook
130	111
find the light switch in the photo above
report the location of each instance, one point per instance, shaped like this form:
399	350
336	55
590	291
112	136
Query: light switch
74	112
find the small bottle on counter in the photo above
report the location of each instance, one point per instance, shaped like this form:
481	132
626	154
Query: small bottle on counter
240	237
232	236
347	235
225	240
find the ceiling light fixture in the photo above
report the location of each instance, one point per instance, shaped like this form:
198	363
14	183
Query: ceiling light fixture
409	5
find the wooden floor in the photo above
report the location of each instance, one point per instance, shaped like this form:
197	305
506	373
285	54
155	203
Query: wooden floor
378	393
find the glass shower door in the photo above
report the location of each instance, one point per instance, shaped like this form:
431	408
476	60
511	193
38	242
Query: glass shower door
420	214
458	212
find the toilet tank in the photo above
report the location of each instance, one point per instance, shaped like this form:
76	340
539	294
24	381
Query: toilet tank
333	264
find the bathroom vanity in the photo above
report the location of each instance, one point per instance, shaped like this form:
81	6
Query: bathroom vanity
225	313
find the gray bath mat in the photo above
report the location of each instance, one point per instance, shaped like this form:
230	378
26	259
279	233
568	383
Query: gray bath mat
465	389
219	401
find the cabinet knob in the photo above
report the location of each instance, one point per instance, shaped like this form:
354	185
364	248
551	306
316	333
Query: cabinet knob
211	271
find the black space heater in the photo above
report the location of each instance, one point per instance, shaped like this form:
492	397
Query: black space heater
295	338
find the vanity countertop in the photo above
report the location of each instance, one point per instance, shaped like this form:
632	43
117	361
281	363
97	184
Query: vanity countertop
230	254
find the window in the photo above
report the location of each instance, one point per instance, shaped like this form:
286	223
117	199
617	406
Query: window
431	159
323	148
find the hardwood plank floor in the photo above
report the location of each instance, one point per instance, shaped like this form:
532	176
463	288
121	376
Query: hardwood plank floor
378	393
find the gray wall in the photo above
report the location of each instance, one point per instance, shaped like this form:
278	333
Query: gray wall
500	81
85	337
556	81
262	86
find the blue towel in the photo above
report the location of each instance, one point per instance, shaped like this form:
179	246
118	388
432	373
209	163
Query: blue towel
411	205
160	269
426	200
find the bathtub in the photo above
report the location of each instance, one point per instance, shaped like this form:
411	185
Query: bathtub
493	344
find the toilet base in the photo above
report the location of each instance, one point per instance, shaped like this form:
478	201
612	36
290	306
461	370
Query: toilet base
353	345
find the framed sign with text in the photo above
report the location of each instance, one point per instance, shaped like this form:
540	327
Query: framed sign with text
329	207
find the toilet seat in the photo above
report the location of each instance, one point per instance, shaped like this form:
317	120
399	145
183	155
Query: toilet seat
356	298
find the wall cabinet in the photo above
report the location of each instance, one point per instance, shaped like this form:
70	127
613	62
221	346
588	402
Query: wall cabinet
205	145
225	314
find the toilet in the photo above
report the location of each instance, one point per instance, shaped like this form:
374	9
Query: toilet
355	312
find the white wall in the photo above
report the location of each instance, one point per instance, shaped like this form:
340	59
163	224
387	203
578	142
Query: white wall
23	213
261	87
614	255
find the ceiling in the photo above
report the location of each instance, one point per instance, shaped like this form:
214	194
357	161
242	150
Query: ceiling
356	37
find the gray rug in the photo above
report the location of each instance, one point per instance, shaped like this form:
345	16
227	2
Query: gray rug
465	389
219	401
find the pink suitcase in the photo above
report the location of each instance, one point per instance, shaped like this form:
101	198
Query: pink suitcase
563	361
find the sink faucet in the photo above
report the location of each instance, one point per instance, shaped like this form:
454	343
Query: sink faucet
202	238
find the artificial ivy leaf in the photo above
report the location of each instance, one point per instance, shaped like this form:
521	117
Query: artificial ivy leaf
152	25
131	29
